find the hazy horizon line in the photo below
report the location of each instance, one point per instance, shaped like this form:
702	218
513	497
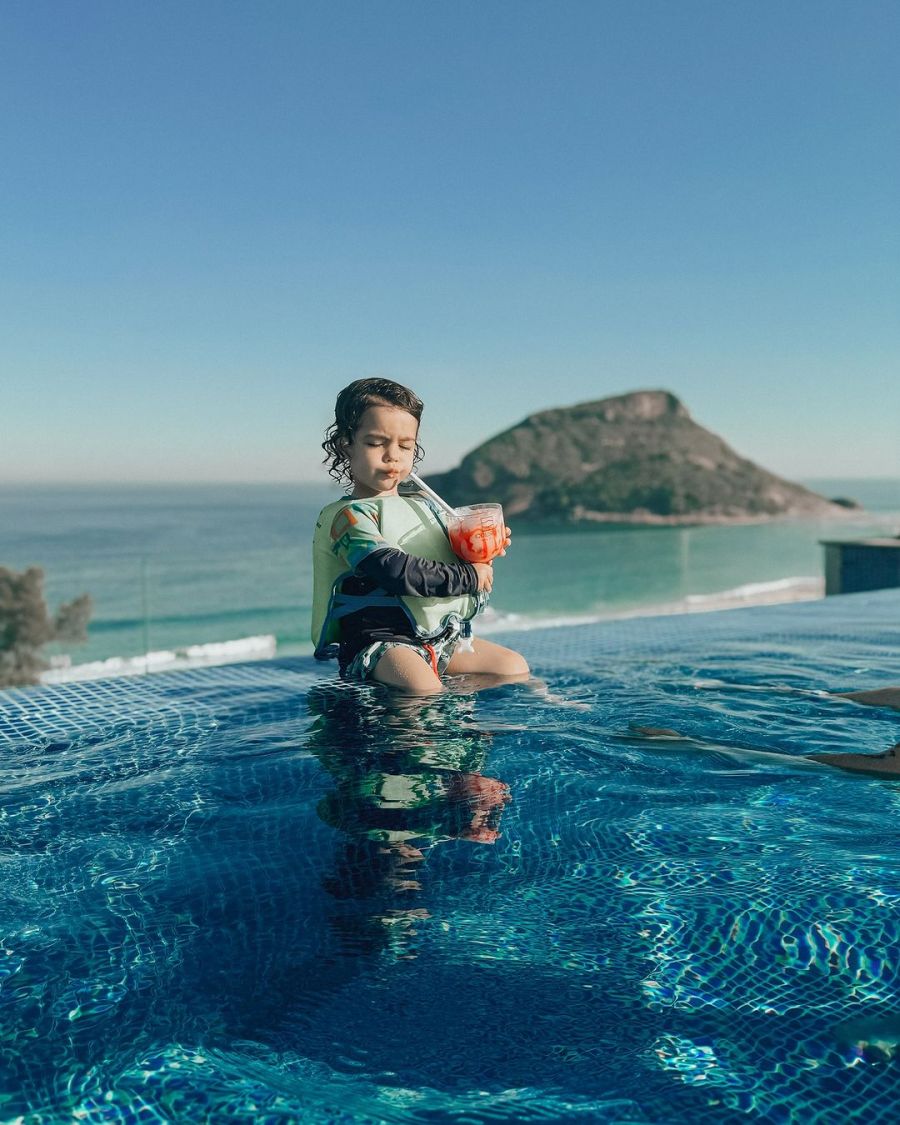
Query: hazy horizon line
94	482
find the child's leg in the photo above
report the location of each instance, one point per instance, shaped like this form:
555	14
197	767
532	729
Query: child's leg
486	657
402	667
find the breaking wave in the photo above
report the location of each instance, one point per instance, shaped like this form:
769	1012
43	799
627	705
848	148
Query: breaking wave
779	591
164	660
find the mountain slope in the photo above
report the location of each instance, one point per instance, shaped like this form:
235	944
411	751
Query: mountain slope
635	458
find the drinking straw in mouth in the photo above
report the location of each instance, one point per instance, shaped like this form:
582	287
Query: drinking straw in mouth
432	494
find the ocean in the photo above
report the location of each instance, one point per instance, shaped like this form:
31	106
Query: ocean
191	574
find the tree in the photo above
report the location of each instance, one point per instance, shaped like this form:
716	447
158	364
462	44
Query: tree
26	625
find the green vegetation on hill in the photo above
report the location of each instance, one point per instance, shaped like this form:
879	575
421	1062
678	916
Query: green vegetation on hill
26	625
637	458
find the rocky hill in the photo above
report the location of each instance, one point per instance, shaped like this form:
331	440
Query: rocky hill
634	458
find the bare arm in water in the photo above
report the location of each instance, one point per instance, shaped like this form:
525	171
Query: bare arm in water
886	764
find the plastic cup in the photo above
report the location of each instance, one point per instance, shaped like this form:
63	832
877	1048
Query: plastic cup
477	533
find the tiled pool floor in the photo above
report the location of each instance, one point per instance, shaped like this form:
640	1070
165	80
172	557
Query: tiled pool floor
248	893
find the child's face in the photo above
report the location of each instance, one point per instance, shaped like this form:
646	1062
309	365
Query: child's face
382	451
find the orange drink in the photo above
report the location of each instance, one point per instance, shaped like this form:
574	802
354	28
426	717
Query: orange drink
477	533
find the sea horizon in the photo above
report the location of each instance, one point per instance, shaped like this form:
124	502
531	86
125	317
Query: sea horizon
182	482
185	574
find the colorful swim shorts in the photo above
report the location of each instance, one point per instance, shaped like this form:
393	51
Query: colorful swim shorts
436	654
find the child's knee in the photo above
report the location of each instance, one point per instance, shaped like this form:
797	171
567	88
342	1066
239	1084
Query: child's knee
514	663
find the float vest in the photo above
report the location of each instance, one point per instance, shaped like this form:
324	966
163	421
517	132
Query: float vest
410	523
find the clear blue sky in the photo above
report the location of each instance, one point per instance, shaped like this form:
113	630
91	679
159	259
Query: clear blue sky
214	215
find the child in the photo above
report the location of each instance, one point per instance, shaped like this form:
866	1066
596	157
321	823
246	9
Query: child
390	599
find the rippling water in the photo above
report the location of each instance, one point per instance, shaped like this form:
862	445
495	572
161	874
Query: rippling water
251	893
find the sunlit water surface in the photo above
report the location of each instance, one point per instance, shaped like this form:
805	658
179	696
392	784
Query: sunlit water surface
253	894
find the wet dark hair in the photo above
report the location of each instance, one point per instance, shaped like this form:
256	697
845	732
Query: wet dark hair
352	403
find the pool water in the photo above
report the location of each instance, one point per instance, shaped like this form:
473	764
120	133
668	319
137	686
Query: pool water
251	893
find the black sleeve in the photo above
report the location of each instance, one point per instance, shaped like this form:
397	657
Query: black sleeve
400	573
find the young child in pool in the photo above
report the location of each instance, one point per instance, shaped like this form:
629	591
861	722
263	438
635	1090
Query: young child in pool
390	599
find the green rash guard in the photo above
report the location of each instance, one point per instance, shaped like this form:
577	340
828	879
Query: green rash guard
357	551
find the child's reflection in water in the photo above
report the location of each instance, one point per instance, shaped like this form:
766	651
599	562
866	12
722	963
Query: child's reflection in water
407	775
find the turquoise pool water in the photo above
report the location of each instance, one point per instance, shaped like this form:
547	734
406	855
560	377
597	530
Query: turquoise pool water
251	894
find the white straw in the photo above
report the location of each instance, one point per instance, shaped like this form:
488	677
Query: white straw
430	492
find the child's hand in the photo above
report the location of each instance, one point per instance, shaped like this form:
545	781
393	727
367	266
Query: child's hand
507	541
485	574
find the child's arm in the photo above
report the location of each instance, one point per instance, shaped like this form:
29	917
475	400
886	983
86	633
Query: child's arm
399	573
357	539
